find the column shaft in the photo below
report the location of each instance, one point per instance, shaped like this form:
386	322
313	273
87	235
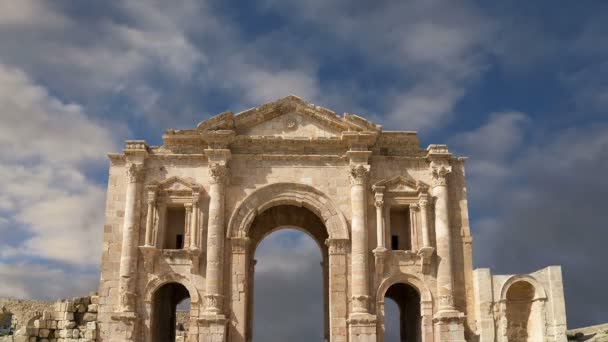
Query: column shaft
215	240
444	241
194	226
359	257
150	219
424	220
380	234
128	256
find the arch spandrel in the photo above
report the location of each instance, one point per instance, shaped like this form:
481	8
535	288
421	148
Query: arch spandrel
296	194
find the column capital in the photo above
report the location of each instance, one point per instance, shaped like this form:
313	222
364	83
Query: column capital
135	172
379	199
358	174
440	173
188	207
218	173
151	197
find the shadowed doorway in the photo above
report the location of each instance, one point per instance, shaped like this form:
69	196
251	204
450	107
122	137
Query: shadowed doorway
402	314
166	301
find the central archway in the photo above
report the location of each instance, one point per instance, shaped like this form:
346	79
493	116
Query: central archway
279	206
288	287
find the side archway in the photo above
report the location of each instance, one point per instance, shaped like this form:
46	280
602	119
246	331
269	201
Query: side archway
423	293
162	295
522	307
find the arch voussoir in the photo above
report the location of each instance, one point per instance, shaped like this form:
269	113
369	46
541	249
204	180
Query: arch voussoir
295	194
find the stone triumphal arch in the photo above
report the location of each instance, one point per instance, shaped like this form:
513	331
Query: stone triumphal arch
183	221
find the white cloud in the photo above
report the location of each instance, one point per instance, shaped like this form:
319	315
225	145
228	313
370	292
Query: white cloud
29	12
439	47
44	193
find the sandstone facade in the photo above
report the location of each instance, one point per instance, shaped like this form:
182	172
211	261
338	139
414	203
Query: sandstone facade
183	221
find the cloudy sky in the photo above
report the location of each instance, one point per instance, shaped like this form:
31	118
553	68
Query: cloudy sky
519	87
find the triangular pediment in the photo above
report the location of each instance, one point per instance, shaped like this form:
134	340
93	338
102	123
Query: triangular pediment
176	184
288	117
400	184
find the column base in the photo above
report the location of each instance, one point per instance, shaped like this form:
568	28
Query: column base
126	327
362	327
212	328
449	326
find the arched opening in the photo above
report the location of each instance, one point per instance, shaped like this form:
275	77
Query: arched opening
168	301
7	323
407	327
290	273
523	318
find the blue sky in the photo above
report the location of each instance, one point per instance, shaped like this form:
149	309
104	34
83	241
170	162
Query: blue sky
519	87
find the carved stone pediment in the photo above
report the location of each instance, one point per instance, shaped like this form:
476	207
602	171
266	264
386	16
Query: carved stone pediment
175	186
288	117
400	184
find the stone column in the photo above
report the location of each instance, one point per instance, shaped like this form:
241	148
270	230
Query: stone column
448	320
215	239
362	325
194	224
413	208
445	281
380	233
150	217
423	202
380	252
188	226
359	257
128	256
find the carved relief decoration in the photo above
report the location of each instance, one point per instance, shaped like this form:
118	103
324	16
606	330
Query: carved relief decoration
358	174
135	173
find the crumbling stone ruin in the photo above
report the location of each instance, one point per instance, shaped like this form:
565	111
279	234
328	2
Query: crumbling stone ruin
71	320
183	221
